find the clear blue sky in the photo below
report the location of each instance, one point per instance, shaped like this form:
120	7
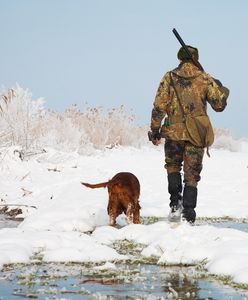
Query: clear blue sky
113	52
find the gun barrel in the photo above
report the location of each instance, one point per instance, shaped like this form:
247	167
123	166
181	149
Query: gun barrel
196	62
182	43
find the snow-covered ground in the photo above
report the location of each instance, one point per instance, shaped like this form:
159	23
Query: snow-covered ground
61	211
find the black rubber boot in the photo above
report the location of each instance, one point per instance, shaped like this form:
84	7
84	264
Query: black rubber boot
175	188
189	203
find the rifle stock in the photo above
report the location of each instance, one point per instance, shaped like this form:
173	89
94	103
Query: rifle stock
149	135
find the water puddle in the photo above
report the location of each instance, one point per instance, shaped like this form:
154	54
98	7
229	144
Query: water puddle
59	281
242	226
8	222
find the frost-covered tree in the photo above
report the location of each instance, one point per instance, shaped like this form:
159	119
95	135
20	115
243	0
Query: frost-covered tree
20	117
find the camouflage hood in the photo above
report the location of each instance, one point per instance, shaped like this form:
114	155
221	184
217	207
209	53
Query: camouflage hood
187	70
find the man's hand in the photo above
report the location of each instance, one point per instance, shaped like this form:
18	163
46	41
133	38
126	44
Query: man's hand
154	137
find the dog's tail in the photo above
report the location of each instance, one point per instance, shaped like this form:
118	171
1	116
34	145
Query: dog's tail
94	186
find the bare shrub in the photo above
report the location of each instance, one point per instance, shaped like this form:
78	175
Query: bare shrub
25	122
109	128
225	140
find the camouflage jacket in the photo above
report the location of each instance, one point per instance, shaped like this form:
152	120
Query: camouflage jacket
195	89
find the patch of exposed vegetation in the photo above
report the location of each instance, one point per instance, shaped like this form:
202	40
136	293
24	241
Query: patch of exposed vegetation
222	219
133	251
151	220
11	212
127	247
226	280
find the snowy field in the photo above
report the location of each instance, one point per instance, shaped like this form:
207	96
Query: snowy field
60	212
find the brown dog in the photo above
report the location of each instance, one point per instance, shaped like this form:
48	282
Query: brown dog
124	191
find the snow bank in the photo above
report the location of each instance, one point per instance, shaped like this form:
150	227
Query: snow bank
59	210
51	182
224	250
20	246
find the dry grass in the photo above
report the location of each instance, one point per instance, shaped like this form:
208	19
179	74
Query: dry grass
26	123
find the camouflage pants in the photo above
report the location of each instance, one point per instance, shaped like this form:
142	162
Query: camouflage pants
183	153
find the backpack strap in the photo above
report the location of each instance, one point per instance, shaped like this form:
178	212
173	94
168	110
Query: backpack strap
179	100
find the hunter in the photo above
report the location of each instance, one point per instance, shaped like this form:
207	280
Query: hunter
181	103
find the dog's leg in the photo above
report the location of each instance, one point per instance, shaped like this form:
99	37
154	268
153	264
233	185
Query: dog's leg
129	213
136	212
112	212
136	216
112	220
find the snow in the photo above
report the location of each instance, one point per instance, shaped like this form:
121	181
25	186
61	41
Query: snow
67	222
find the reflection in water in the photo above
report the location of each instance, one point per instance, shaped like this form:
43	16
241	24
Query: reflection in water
180	282
186	283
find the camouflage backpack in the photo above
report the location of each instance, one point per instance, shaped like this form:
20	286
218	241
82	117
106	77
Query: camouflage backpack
199	128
